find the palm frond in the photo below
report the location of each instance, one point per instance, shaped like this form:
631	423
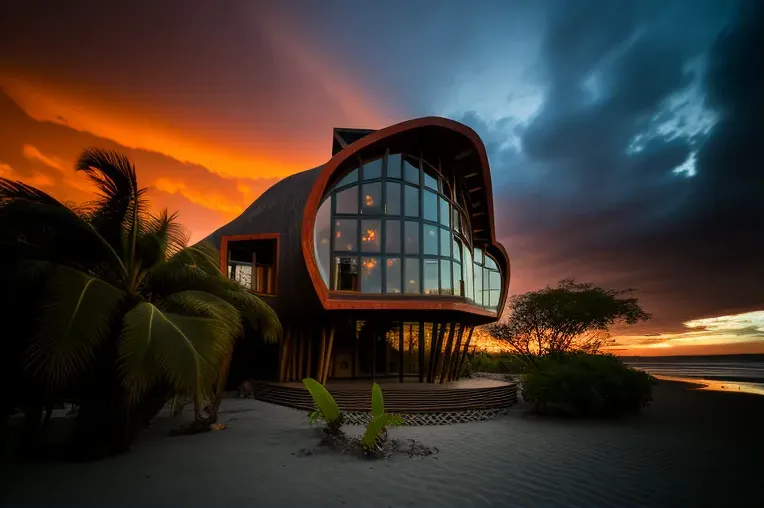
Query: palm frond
13	190
121	205
184	351
256	312
201	304
162	237
203	255
74	322
173	277
42	230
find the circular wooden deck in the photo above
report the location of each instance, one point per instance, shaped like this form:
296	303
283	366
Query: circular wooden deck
464	400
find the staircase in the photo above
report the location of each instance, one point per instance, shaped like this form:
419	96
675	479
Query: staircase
397	400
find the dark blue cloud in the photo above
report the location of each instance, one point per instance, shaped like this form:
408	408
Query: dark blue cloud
611	73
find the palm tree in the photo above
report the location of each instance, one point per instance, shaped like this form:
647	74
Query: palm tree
125	315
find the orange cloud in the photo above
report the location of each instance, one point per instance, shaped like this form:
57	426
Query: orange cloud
737	333
36	179
211	201
138	130
33	154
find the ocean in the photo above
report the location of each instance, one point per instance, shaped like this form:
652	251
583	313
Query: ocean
740	373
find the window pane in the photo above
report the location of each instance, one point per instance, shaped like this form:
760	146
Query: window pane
430	181
455	221
371	235
347	200
430	241
411	169
490	263
346	234
467	273
322	235
371	275
457	279
445	242
345	274
478	281
445	188
411	238
412	275
372	169
393	237
394	165
465	225
351	177
393	275
371	202
494	298
444	212
445	277
430	276
411	201
430	206
479	256
457	250
495	280
393	199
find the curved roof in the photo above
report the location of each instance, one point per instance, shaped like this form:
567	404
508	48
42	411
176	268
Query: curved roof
279	210
466	154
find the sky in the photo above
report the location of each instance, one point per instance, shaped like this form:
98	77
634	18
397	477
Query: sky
623	136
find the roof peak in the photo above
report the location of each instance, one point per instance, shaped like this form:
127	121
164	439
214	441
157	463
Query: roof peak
343	137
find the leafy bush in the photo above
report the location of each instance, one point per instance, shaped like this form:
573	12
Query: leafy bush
501	363
582	384
326	407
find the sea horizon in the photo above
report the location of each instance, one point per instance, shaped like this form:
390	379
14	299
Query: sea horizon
731	373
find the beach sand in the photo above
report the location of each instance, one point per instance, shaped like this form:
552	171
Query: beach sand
689	449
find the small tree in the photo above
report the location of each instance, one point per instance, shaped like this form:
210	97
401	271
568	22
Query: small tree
570	317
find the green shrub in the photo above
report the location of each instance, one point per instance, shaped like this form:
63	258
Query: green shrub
498	363
581	384
466	370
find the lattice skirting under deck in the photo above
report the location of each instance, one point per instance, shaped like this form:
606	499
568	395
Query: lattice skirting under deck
443	418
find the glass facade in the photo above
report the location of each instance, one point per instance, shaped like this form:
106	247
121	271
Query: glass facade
395	225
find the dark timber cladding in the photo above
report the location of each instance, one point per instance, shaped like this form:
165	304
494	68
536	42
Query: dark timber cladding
331	332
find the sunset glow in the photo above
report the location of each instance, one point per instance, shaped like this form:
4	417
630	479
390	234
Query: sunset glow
595	175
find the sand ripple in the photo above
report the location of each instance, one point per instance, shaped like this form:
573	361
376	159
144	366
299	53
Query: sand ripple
685	451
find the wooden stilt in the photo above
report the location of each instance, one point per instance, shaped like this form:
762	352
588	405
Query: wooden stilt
321	355
436	352
400	352
330	365
411	349
439	352
374	338
455	356
328	355
443	370
464	354
310	354
301	359
420	336
354	373
387	354
433	346
284	355
293	355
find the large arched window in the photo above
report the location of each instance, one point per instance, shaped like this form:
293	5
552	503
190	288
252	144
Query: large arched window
396	225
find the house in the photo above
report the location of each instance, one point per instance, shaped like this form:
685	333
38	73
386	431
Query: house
379	262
